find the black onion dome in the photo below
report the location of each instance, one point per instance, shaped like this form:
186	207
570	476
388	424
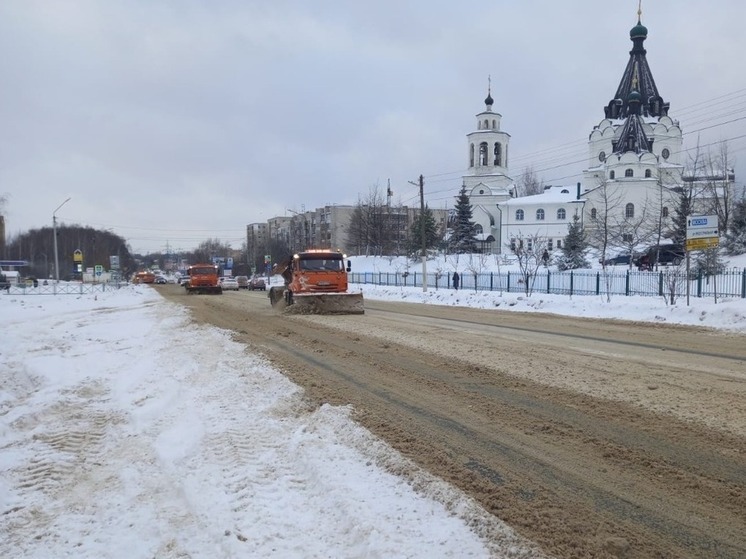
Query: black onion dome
489	100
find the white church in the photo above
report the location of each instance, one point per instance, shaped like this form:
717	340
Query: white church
634	160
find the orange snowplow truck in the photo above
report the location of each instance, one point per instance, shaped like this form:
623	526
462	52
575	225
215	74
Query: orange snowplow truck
203	278
315	282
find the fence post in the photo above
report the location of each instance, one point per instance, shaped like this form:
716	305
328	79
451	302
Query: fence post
492	282
743	284
549	284
598	283
572	279
699	283
508	289
626	285
660	284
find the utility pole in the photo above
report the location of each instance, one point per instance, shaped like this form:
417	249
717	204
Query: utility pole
54	233
422	233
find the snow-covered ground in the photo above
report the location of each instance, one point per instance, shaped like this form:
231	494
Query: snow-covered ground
125	433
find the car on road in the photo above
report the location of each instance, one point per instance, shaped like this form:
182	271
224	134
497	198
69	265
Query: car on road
243	282
257	283
160	280
229	284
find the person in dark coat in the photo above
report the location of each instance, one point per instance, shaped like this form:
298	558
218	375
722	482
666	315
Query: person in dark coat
455	279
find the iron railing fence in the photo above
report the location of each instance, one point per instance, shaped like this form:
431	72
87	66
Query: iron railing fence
663	282
62	288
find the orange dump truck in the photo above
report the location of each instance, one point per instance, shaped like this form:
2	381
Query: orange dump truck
315	282
203	278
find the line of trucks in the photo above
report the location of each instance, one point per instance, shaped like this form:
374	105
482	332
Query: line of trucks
314	282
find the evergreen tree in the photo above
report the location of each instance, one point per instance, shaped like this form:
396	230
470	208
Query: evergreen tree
680	216
735	238
463	235
431	231
574	248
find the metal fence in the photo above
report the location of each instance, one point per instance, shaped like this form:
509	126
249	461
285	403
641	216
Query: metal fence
62	288
667	281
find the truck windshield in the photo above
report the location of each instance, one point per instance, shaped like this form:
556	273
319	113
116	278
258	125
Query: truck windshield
322	264
202	271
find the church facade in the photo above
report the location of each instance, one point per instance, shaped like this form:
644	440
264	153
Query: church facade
633	176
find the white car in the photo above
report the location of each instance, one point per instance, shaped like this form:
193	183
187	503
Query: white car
229	284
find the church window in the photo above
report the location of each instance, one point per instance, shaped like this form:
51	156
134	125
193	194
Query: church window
612	175
519	215
539	215
494	124
512	245
529	244
664	211
483	153
629	211
648	173
471	156
478	229
564	191
549	244
561	214
665	154
481	190
559	243
602	156
629	173
498	154
594	213
626	237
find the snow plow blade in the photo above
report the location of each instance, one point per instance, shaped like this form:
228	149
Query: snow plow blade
327	303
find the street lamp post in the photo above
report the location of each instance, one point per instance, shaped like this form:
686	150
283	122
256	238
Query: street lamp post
54	232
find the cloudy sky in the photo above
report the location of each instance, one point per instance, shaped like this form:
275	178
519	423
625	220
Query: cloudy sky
173	121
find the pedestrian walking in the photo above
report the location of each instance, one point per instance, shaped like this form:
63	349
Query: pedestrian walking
455	280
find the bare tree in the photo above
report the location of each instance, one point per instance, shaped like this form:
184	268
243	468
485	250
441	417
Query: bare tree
477	264
602	225
528	251
529	184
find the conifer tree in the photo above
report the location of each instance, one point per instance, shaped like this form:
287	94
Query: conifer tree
735	238
431	231
463	236
574	248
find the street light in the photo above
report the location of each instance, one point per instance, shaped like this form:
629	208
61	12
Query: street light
54	232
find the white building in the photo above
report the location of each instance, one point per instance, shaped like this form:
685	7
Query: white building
635	171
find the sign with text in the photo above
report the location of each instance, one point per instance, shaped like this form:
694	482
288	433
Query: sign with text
702	232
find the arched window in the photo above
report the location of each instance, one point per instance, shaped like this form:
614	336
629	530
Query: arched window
629	211
486	124
648	173
612	174
494	124
629	173
519	215
561	214
478	229
471	156
498	154
594	214
664	211
539	215
483	153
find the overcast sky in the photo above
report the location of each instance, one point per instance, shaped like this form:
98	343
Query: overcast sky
173	121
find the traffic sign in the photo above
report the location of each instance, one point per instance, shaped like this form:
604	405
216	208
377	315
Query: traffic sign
702	243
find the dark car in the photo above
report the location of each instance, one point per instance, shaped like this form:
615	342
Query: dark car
662	255
257	283
619	259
